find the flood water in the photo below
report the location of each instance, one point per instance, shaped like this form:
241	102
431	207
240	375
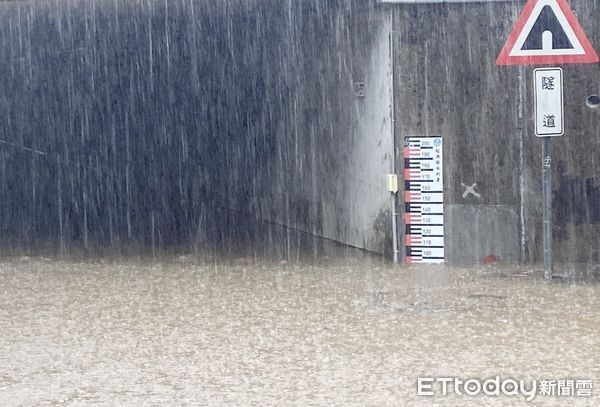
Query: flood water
342	332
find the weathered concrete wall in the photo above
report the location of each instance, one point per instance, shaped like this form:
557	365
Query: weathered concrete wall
447	83
171	124
182	124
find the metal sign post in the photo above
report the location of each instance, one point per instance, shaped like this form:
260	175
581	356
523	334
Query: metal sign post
547	205
549	122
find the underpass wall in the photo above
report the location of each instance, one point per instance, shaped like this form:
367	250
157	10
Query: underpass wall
134	126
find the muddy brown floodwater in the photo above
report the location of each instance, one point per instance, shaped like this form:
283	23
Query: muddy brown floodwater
346	332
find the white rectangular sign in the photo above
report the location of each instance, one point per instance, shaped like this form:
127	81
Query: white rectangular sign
424	199
549	105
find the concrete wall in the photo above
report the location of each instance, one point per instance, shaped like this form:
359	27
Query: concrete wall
183	124
447	83
178	124
333	147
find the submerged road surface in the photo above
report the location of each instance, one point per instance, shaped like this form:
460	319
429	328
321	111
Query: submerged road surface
342	333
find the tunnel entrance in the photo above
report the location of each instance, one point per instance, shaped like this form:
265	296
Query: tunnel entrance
177	127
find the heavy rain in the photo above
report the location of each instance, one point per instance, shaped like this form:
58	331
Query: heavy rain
299	202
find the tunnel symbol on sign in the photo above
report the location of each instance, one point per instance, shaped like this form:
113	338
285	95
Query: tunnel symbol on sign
547	32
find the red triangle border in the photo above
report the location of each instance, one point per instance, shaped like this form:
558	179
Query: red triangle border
590	56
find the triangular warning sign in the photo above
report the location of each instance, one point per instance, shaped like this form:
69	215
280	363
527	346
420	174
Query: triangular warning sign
547	32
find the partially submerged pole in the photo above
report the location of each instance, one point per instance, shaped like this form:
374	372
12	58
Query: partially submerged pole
547	204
